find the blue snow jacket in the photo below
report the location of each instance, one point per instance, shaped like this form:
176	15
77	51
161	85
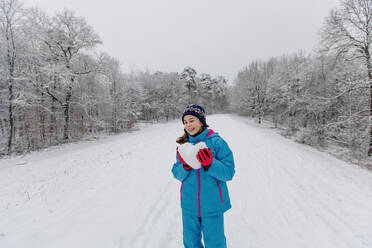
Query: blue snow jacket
204	193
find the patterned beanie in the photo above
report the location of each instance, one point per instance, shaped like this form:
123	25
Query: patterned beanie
197	111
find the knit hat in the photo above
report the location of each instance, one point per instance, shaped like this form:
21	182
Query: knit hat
197	111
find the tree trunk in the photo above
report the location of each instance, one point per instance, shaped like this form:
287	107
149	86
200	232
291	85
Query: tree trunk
369	71
190	98
66	107
11	114
10	61
67	119
53	117
42	119
114	127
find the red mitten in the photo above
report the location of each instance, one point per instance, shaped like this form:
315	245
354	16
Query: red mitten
185	166
205	157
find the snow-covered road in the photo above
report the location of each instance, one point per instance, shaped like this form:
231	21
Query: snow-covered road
119	192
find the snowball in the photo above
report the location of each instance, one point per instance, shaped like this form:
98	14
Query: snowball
188	152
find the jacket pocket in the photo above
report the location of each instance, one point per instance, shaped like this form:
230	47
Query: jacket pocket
219	189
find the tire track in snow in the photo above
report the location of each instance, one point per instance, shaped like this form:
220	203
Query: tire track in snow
153	216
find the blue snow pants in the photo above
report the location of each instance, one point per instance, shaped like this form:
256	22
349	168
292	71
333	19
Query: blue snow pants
212	228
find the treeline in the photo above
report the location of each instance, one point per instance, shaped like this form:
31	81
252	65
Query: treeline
323	98
55	87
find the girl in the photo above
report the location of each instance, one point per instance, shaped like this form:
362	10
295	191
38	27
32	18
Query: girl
204	194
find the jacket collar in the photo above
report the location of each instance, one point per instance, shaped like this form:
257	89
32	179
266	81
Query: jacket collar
200	137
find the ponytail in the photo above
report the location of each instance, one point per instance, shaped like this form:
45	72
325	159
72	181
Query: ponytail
183	139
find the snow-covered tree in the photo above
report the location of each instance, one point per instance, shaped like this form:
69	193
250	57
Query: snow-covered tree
66	38
10	19
348	32
189	76
252	85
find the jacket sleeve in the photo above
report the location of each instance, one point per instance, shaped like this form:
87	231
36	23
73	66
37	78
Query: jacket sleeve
222	167
178	171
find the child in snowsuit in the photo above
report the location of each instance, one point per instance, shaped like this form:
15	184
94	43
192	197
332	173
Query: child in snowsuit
204	194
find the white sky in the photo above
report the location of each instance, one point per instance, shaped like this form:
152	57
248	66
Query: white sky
219	37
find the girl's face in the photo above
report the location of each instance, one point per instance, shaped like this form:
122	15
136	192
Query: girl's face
192	124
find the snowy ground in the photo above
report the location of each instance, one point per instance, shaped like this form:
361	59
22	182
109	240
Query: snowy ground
119	192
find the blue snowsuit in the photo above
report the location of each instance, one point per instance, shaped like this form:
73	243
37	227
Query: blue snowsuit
204	194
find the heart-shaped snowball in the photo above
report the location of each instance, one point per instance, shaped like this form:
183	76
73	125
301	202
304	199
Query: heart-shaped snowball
188	152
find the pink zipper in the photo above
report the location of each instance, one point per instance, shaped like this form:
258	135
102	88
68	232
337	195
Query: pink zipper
198	184
220	191
199	190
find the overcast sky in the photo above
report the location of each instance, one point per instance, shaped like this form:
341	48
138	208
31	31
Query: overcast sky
219	37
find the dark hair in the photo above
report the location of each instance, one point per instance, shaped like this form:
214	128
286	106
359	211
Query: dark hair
182	139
